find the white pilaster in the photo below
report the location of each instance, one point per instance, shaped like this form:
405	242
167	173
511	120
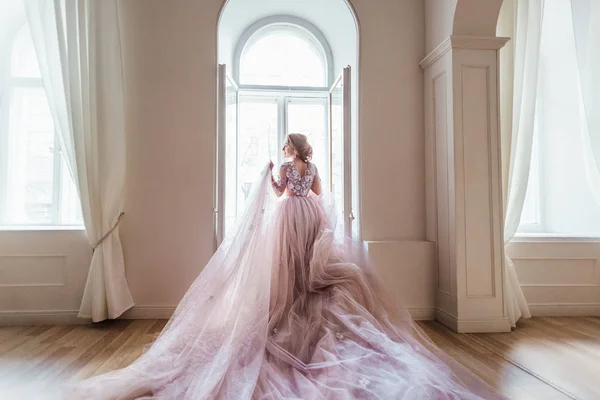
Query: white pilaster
464	199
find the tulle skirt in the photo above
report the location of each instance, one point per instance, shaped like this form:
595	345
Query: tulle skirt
287	309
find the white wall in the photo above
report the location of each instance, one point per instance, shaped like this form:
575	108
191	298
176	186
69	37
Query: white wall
42	275
439	19
558	277
170	59
459	17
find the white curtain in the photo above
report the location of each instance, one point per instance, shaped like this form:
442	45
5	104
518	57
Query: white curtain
527	36
586	29
78	46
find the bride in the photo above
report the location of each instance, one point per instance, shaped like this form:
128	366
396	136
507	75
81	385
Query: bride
288	309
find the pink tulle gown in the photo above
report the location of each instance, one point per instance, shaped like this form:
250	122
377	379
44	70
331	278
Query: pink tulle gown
288	309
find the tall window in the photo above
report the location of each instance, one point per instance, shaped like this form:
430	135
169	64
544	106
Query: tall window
283	75
560	199
36	188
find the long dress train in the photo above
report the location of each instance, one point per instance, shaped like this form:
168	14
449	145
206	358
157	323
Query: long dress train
288	309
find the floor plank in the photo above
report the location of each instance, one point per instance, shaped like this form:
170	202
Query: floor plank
544	358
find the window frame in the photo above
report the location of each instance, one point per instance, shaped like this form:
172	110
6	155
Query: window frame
283	100
13	83
282	96
539	232
305	29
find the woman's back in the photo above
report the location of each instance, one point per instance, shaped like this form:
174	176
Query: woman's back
298	183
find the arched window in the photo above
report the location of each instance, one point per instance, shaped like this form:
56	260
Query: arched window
282	83
283	55
36	188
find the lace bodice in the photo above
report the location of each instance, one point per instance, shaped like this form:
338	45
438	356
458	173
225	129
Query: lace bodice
297	185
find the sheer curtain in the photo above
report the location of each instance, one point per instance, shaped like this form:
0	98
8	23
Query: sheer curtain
78	47
586	30
528	16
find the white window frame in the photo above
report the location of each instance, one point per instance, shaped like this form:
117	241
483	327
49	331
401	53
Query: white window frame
283	100
300	27
283	95
13	83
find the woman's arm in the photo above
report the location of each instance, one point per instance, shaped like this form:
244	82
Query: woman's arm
279	185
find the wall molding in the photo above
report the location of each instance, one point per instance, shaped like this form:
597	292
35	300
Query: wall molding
41	317
478	42
465	325
149	312
565	309
463	42
165	312
69	317
422	314
466	178
447	319
435	54
559	285
5	264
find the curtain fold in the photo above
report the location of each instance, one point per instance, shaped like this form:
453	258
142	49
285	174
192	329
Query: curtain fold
528	15
586	31
82	74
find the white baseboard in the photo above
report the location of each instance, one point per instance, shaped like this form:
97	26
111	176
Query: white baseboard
447	319
565	310
462	325
422	314
149	312
41	317
69	317
165	312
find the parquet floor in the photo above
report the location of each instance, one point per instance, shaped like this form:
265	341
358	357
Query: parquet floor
545	358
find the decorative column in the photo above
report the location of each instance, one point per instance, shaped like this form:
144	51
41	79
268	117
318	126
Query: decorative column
463	175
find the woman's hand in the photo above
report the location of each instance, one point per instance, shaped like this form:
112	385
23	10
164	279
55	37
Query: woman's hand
271	165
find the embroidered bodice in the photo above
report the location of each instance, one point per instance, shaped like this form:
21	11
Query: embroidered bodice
297	185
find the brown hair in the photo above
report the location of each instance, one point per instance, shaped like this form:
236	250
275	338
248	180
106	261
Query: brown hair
299	143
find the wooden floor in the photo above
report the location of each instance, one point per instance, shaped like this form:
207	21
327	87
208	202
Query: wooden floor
545	358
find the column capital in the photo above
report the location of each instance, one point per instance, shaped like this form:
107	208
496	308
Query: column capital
463	42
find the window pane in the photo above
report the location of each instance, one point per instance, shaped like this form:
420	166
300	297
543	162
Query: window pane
283	56
31	159
70	206
24	63
310	119
568	205
257	143
531	214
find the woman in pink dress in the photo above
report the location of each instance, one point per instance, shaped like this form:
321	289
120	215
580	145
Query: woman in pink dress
287	309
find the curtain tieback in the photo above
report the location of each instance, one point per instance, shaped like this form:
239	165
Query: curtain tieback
111	230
